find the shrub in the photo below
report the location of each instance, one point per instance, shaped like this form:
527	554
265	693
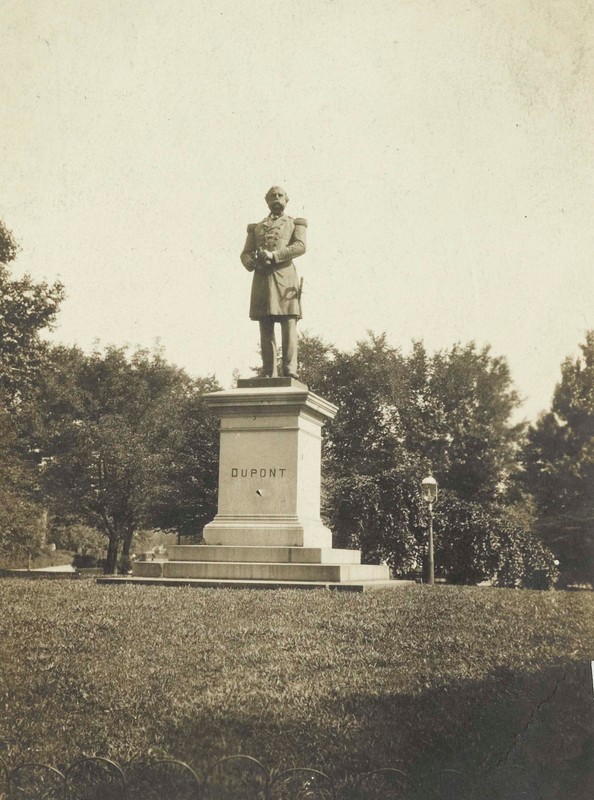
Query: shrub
124	565
525	561
475	543
384	516
84	561
378	514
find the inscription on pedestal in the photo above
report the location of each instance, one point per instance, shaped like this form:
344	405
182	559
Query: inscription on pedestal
258	472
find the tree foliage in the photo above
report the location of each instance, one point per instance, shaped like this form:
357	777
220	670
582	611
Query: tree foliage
125	442
8	245
451	410
559	461
26	309
80	539
475	542
401	416
380	514
21	527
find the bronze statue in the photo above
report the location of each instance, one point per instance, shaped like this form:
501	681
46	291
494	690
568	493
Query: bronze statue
270	247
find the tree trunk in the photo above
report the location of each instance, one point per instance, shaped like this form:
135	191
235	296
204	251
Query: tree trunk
127	543
112	556
125	564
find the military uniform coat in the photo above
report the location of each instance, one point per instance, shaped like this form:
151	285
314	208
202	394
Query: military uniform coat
275	289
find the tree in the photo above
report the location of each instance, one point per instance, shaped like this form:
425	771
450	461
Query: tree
21	527
400	417
381	514
26	308
474	443
559	462
118	437
8	245
451	410
80	539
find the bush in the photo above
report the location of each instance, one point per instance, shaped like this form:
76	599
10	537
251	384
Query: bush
84	561
476	543
525	561
466	541
378	514
384	516
21	526
124	565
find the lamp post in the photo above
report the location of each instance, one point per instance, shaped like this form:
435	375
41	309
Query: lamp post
429	493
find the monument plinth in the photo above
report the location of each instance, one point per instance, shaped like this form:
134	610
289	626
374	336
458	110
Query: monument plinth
268	532
269	470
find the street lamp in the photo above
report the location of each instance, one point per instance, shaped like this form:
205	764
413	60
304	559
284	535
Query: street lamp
429	493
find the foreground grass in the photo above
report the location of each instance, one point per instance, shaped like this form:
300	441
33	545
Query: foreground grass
416	678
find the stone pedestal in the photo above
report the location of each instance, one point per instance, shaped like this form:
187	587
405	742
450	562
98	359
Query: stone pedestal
270	458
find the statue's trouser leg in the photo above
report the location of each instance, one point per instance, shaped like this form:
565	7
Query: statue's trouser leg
268	345
289	332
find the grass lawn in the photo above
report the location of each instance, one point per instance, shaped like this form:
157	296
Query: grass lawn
482	680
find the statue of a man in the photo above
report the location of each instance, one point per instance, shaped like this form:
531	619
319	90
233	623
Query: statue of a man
269	250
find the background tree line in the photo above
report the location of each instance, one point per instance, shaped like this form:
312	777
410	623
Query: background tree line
118	441
402	416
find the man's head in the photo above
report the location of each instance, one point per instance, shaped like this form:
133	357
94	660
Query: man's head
277	199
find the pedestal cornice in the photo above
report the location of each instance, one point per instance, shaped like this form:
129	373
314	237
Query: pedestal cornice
260	401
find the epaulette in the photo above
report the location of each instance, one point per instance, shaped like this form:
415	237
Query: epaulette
301	221
251	227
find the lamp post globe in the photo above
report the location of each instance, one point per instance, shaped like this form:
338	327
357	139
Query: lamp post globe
429	489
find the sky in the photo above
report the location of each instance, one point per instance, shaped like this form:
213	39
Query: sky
441	151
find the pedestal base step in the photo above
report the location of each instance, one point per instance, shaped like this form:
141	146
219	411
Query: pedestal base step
354	586
261	571
279	555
